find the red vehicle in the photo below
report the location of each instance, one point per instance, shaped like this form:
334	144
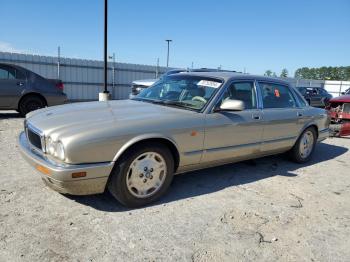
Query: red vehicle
339	110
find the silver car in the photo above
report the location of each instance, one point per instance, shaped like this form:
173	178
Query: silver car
187	122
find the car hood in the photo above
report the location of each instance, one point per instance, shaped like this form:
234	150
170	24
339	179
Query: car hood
90	114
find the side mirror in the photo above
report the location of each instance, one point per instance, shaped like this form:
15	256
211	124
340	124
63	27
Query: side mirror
232	105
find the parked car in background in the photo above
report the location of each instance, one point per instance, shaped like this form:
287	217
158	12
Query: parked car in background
339	110
184	122
139	85
315	96
25	91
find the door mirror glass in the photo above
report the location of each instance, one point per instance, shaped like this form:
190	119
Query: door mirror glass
232	105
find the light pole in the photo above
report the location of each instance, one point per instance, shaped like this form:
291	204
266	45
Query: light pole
167	60
105	95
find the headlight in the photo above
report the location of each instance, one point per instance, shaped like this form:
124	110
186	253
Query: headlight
55	149
60	151
50	146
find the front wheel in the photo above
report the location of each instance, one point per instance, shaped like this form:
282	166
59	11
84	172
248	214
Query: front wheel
304	147
142	175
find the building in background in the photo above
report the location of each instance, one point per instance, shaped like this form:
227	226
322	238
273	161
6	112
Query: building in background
83	79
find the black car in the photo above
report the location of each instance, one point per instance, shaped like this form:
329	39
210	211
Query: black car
315	96
25	91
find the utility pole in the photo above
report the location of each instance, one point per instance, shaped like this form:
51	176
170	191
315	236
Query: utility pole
157	68
58	61
167	60
105	95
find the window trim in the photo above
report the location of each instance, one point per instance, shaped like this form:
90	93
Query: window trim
259	82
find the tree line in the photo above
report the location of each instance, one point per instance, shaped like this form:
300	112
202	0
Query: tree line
321	73
324	73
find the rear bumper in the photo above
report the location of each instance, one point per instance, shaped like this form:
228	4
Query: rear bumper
59	177
57	99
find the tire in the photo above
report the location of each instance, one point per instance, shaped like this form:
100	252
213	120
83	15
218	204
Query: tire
135	179
307	140
30	103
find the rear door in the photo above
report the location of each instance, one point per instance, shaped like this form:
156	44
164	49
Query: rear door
281	116
233	135
12	83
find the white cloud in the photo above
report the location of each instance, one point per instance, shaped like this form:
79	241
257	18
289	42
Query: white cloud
7	47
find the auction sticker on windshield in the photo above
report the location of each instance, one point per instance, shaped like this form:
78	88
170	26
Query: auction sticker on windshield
209	83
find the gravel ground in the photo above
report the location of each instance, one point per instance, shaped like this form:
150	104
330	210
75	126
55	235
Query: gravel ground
265	210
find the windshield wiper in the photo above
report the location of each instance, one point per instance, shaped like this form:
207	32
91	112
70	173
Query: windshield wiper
169	103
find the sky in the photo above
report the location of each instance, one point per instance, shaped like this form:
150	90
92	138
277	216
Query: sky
238	35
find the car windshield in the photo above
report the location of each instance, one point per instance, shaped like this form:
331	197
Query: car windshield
189	92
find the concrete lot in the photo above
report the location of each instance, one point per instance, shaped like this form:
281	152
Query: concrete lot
265	210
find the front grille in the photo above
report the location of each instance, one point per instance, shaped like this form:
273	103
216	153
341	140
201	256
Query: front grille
34	139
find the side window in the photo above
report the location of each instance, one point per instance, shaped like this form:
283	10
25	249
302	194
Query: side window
277	96
4	74
242	91
7	73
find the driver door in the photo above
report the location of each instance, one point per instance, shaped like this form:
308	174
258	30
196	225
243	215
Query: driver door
234	135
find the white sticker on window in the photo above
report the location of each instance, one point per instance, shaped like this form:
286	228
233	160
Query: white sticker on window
208	83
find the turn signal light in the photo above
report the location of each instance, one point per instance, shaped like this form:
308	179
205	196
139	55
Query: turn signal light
43	170
79	174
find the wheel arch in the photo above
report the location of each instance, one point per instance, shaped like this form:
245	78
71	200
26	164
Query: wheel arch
313	125
151	138
31	94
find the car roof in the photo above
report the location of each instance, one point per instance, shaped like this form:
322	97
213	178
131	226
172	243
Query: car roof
226	76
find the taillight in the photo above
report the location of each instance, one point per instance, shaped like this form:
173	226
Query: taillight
60	86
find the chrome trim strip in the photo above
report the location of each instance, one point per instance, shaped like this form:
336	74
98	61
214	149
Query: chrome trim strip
250	144
230	147
190	153
279	140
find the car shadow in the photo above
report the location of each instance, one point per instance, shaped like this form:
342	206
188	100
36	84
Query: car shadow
214	179
9	114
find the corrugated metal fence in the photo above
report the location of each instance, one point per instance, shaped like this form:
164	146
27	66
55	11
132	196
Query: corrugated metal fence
83	79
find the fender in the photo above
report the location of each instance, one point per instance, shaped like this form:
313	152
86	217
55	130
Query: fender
140	138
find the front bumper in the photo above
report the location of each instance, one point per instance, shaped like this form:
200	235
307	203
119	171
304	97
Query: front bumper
59	176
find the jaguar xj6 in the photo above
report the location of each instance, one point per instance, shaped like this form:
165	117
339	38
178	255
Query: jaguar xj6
188	121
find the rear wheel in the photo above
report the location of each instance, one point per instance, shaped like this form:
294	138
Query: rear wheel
304	147
142	175
30	103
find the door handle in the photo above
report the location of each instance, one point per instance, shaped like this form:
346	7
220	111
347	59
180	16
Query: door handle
20	83
256	117
300	114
